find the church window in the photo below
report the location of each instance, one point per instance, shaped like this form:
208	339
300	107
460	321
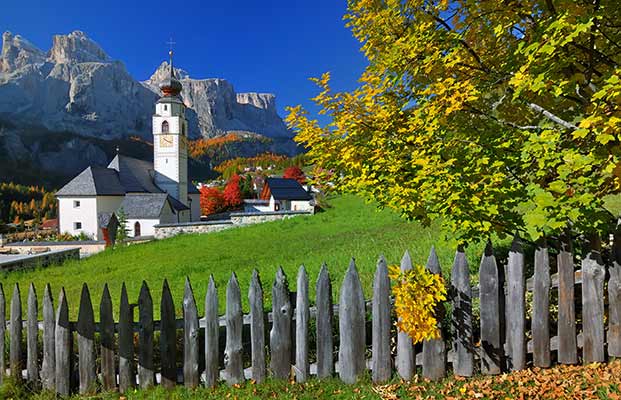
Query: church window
76	204
165	107
137	229
77	225
165	127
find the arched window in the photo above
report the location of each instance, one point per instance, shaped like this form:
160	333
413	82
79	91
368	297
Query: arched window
165	127
185	133
137	229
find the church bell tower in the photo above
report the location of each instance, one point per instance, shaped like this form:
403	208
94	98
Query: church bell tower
170	143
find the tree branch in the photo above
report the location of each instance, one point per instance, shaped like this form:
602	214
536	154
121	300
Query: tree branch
551	116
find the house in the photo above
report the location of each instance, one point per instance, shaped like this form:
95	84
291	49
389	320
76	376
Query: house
49	224
145	193
281	194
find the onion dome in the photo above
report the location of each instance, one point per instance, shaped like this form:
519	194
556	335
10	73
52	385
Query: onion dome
171	86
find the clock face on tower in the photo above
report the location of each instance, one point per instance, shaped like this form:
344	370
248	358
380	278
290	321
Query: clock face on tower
166	141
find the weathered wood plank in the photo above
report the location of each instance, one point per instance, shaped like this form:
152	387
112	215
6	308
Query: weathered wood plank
614	300
381	359
567	346
257	328
280	335
127	377
190	338
516	312
352	330
406	358
15	339
63	347
302	317
541	308
461	320
233	365
211	334
2	332
489	295
49	326
325	311
168	339
32	333
593	272
106	337
434	350
146	368
86	342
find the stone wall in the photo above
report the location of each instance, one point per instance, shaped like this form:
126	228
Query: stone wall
86	248
163	231
18	262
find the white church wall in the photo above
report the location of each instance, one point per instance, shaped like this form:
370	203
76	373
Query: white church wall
301	205
78	214
146	227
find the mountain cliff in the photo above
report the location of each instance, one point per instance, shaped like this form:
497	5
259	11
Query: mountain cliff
76	89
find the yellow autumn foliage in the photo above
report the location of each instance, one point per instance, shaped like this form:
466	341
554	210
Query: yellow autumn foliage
417	294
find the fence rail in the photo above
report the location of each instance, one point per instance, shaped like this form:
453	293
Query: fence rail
216	348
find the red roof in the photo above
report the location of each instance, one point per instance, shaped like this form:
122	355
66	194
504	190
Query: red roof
50	224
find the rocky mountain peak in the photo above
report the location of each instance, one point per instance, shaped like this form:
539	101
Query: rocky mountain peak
18	52
76	47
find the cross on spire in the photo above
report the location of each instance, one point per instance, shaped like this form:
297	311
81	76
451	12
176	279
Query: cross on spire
171	43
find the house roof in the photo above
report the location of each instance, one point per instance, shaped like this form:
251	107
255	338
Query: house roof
148	205
94	181
286	189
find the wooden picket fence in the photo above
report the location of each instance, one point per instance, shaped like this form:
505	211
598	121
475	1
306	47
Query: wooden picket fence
502	328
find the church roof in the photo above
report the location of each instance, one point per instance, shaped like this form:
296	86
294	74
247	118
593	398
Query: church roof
94	181
148	205
135	175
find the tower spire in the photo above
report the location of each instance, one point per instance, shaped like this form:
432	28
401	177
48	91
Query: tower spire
171	86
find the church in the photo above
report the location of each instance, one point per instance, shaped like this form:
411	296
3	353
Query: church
147	194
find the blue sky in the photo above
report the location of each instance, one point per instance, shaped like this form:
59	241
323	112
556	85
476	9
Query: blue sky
264	46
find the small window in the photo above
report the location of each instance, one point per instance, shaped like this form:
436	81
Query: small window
165	127
76	204
165	107
277	207
137	229
77	225
184	131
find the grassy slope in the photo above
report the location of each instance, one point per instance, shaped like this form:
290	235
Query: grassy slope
349	228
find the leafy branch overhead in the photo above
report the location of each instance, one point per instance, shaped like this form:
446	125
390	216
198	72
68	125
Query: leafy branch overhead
495	117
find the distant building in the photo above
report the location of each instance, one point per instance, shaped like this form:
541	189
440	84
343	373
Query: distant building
147	193
281	194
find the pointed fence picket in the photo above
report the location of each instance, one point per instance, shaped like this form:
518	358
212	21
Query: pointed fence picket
290	357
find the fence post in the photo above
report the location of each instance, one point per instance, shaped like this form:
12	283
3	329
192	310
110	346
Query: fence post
461	293
614	300
190	338
2	332
257	328
434	351
325	345
49	359
32	332
489	295
15	332
106	335
567	345
406	358
280	335
127	378
381	362
234	323
541	307
516	312
86	342
211	334
146	369
352	330
593	272
168	339
63	348
302	317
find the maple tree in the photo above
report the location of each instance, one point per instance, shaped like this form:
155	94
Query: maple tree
212	200
232	192
492	117
295	172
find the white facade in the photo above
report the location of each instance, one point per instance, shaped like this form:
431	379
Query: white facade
170	149
290	205
79	214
